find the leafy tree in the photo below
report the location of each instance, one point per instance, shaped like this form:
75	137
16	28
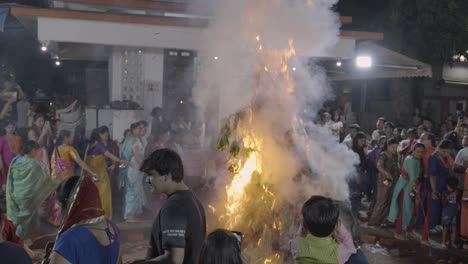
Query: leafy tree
429	30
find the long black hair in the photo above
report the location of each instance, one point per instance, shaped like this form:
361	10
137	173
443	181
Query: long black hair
65	188
390	141
360	150
63	134
125	135
29	146
134	126
94	138
221	247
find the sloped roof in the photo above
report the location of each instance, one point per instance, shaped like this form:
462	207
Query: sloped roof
386	64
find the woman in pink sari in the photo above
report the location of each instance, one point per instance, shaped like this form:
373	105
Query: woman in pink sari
10	146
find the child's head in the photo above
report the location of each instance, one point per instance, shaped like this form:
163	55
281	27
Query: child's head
320	216
452	184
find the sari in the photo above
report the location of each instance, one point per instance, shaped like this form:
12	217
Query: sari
67	154
9	148
74	240
442	169
28	186
402	206
96	161
42	154
381	208
133	180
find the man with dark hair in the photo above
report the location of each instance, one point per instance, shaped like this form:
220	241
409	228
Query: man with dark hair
379	128
11	252
353	130
428	124
179	230
388	129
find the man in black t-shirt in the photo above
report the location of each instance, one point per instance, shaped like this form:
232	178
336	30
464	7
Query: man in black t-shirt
179	229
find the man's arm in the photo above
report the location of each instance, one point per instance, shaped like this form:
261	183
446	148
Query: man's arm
171	256
459	162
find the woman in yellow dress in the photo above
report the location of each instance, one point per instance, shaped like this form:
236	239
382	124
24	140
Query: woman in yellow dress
96	159
63	162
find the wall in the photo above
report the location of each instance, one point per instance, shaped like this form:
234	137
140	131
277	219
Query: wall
148	80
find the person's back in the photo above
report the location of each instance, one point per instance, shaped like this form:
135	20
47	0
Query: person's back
11	253
182	222
90	244
320	216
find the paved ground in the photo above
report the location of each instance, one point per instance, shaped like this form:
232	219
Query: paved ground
377	243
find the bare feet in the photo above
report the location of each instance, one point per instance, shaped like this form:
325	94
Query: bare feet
399	236
413	236
426	243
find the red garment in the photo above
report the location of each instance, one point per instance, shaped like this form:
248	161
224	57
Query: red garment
85	205
425	159
464	209
399	222
425	230
9	231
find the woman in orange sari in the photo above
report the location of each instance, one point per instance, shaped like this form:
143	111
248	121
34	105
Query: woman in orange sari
10	146
63	162
96	159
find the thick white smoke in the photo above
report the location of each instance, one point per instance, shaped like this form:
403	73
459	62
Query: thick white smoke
229	67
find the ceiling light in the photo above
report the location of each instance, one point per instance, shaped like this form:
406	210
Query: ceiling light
294	68
364	61
216	58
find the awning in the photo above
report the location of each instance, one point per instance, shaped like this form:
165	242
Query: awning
386	64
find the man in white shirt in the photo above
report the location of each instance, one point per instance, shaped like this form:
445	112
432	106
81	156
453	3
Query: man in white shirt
461	162
353	130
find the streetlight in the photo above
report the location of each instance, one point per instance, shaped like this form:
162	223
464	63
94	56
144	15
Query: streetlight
43	48
364	61
338	64
57	63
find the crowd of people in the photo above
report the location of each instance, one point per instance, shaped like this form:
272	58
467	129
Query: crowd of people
80	184
412	177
